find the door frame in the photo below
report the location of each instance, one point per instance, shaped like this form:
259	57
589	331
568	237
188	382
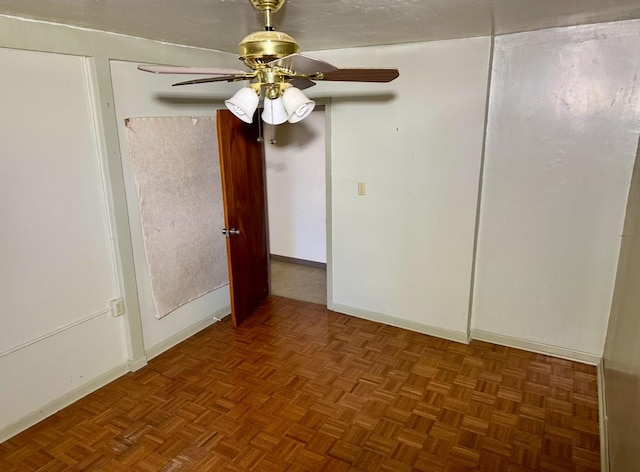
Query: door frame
329	200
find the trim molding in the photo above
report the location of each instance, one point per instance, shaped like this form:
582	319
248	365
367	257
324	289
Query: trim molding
532	346
603	419
458	336
302	262
62	402
55	331
186	333
480	193
137	364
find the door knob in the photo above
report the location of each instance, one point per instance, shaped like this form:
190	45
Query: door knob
230	232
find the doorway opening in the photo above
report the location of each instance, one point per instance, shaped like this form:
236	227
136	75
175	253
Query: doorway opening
299	280
296	177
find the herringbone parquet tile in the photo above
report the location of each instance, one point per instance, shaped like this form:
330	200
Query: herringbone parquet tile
299	388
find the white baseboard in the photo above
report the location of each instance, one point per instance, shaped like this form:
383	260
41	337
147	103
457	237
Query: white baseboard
532	346
451	335
62	402
137	364
603	419
102	380
186	333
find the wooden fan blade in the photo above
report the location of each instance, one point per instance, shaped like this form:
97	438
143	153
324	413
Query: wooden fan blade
303	64
302	84
362	75
226	78
188	70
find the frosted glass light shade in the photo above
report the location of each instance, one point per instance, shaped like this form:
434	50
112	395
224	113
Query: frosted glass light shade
297	105
274	112
243	104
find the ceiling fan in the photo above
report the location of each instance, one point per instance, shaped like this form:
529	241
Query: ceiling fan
278	72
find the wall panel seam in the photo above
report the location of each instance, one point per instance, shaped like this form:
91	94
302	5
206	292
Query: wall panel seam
483	153
54	332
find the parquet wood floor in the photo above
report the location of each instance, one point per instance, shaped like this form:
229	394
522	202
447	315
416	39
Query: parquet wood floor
299	388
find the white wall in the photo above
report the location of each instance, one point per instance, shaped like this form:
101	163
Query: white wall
403	253
296	188
66	243
562	132
139	94
57	272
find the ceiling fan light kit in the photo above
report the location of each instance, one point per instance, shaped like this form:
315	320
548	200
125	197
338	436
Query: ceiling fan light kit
243	104
298	106
274	112
278	73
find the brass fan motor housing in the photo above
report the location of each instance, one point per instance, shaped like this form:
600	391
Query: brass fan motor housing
258	49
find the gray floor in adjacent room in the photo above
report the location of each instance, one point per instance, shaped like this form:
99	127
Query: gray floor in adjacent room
299	282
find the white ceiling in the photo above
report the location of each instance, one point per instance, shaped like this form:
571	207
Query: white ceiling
320	24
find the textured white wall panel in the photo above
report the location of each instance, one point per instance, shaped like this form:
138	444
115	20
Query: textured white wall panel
562	133
56	265
405	249
55	258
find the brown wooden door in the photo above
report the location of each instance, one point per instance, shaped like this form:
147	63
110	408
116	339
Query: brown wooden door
243	189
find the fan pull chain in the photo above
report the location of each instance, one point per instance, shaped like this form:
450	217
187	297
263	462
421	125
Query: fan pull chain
273	128
260	137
